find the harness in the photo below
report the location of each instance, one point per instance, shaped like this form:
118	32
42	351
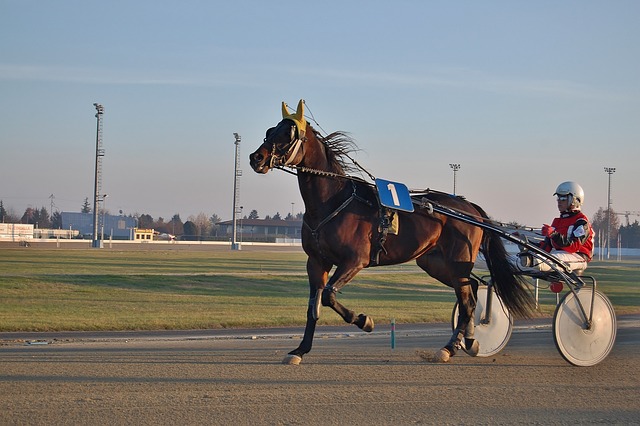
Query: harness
385	214
354	196
283	158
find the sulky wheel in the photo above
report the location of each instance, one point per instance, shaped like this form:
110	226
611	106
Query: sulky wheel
492	335
578	343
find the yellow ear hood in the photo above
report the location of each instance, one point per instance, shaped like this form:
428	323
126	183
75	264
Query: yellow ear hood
297	117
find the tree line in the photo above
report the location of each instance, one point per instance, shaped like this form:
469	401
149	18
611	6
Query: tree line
202	226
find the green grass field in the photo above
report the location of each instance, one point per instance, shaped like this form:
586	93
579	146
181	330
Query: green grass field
108	289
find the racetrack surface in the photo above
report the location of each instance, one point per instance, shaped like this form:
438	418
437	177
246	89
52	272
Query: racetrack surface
236	377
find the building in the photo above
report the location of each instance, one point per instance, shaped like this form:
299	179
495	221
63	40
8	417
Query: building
16	232
109	226
263	230
143	235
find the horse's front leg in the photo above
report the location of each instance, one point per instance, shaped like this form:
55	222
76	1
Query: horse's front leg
339	279
318	274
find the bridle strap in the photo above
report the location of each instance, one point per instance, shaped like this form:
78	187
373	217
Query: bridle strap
297	137
295	148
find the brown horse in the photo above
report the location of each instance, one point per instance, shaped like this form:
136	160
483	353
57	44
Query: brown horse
344	226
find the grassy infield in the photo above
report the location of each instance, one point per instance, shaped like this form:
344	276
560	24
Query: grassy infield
62	289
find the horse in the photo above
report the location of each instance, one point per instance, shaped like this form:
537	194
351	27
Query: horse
344	227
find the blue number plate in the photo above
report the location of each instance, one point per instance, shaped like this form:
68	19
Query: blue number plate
394	195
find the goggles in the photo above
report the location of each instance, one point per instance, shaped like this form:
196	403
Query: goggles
563	197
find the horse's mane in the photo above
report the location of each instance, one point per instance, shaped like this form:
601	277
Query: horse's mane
338	147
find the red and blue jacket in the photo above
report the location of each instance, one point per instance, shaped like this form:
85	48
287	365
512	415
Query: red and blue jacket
572	234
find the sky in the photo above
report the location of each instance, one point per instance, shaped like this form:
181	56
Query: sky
523	95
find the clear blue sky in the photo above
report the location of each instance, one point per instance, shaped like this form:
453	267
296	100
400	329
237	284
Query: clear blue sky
524	95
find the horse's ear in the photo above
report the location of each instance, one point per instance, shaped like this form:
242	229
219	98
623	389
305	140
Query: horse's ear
300	110
297	117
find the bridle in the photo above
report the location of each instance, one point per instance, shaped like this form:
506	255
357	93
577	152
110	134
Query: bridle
284	155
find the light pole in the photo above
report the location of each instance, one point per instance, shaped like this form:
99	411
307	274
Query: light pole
96	187
455	168
609	171
236	195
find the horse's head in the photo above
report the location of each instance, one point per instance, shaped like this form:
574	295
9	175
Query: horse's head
281	146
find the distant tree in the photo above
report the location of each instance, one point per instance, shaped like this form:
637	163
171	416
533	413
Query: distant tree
27	216
600	225
190	231
56	220
267	217
37	217
9	216
3	213
145	221
86	207
41	218
277	216
254	214
160	225
214	219
202	222
298	216
175	225
630	235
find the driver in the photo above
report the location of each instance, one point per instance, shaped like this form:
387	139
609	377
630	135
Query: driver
569	237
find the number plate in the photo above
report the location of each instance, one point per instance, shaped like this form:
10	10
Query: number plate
394	195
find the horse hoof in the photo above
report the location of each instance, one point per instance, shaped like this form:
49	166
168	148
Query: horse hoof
364	323
368	325
442	356
292	360
474	349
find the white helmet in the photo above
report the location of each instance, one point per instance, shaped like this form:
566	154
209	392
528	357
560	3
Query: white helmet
575	193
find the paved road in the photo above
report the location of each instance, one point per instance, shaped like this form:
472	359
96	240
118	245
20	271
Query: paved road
236	377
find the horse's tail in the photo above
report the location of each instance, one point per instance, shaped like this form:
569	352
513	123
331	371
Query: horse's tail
510	286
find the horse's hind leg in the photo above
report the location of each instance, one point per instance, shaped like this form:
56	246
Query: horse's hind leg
456	275
466	293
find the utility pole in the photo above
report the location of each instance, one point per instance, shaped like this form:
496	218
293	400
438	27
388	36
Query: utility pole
98	177
237	210
52	197
609	171
455	168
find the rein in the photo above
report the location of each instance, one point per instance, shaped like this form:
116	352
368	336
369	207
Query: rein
323	173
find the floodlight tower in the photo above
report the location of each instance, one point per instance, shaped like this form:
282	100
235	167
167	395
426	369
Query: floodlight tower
455	168
609	171
237	210
97	188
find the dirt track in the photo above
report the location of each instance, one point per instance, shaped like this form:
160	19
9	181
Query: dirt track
349	378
